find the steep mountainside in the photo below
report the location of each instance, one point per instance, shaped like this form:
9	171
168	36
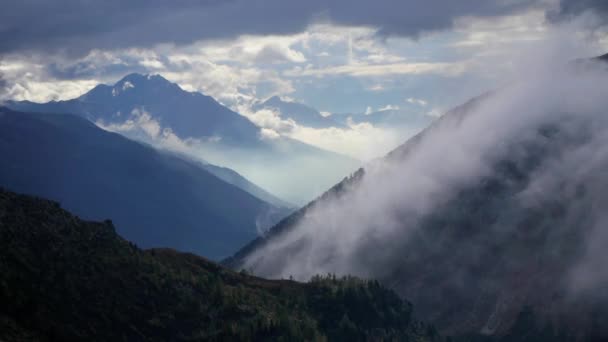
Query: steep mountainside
148	107
493	216
155	199
64	279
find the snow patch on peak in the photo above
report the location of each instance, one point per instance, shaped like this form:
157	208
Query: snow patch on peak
126	85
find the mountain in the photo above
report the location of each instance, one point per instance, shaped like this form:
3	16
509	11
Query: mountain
602	57
491	221
188	114
65	279
298	112
151	109
156	198
308	116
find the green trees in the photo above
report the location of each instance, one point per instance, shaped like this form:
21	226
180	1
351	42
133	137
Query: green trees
70	280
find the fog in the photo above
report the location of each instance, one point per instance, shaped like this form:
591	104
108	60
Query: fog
294	176
294	172
360	232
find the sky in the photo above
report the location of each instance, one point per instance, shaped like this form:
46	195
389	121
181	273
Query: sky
340	56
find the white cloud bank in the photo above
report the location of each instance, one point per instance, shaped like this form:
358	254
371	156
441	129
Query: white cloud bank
338	234
362	141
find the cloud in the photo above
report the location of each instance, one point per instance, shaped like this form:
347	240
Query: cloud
416	101
572	8
362	141
269	134
494	33
144	127
27	80
376	87
152	64
274	54
366	70
364	229
76	27
231	82
369	110
436	112
501	50
246	68
388	107
270	119
240	71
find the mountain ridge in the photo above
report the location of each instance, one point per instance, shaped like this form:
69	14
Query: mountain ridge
71	280
150	106
162	200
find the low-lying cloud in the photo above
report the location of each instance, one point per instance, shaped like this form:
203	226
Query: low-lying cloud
144	127
361	141
297	175
361	231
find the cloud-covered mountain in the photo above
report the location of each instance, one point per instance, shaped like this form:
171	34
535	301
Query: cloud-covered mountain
156	111
495	212
388	118
187	114
299	112
155	198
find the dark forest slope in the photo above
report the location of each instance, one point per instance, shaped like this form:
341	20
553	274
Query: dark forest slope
64	279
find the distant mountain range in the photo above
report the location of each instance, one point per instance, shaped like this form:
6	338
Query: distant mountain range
217	134
490	221
66	279
300	113
308	116
156	199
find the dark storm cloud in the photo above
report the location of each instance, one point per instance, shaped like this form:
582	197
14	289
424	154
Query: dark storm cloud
575	7
77	26
572	8
93	68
